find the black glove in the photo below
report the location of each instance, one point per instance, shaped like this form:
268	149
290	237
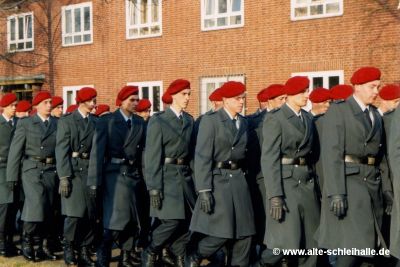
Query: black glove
65	187
93	191
11	185
339	205
206	201
388	198
277	206
155	198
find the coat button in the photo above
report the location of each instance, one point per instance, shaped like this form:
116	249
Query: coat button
41	147
233	148
299	182
365	178
230	175
123	173
365	144
138	146
81	169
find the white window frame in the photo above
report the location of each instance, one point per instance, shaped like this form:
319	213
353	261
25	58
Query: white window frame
143	25
82	32
204	102
295	5
325	79
73	89
150	85
25	39
228	14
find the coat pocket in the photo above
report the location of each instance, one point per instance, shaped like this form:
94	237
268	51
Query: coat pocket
28	165
350	170
287	173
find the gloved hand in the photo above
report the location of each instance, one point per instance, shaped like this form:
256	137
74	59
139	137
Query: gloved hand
339	205
277	207
65	187
11	185
155	198
388	198
206	201
93	191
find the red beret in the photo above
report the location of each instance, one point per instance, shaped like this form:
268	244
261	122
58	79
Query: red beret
341	91
56	101
262	96
296	85
41	96
177	86
166	98
365	74
126	92
390	92
23	106
275	90
85	94
232	89
71	108
143	105
8	99
100	109
319	95
216	95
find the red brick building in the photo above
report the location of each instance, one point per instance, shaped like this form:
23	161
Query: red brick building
108	44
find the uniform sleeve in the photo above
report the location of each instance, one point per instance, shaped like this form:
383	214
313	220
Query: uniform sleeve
394	148
203	157
96	161
270	156
16	151
64	167
153	165
332	152
385	174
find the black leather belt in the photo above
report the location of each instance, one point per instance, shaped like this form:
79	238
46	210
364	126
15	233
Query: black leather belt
47	160
82	155
3	160
122	161
294	161
360	160
178	161
229	165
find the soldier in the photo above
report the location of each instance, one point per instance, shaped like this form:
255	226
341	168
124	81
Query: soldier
74	142
115	167
351	151
223	211
57	106
33	146
102	110
289	137
143	109
168	174
23	109
8	201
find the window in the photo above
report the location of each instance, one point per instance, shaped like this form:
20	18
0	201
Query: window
151	91
310	9
69	94
20	32
143	18
326	79
209	84
77	21
221	14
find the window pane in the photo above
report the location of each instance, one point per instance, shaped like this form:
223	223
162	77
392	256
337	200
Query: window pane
235	20
301	1
29	26
28	45
133	32
222	21
332	8
145	92
69	98
86	14
154	11
143	10
21	28
20	46
222	6
68	40
318	82
87	38
156	98
68	21
144	31
155	29
77	39
209	23
333	80
300	12
13	46
317	10
12	29
210	7
77	17
236	5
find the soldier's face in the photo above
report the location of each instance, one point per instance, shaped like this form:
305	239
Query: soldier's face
44	107
367	92
181	99
391	104
235	104
321	108
144	114
10	110
88	106
277	102
299	100
57	111
129	104
22	114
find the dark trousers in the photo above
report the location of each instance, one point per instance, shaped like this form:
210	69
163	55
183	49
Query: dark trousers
268	257
79	231
348	261
173	232
8	213
123	238
240	249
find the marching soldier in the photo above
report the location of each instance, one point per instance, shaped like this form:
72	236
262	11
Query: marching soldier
351	151
33	146
23	109
8	201
115	167
57	106
102	110
168	174
223	211
143	109
74	142
289	138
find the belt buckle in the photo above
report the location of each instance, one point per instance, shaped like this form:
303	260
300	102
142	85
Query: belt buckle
48	161
302	161
131	161
371	161
84	155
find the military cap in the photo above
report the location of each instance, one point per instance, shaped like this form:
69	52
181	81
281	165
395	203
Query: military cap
341	91
215	96
71	108
85	94
296	85
8	99
390	92
41	96
177	86
365	74
126	92
319	95
23	106
232	89
166	98
143	105
56	101
100	109
275	90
